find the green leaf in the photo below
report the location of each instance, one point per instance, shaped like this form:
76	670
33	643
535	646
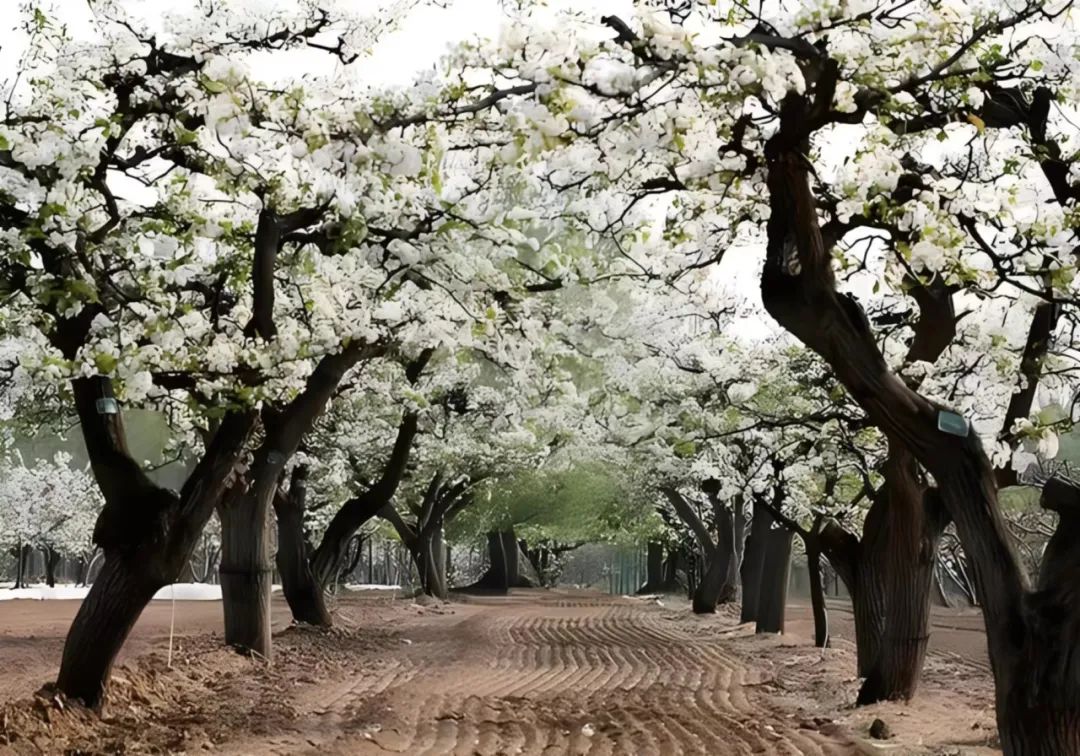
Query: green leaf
684	449
105	363
213	87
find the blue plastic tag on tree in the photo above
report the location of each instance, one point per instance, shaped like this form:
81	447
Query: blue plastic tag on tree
953	424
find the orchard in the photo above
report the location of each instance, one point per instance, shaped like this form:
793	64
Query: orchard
516	401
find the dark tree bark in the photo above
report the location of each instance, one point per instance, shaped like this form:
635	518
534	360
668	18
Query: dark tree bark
817	596
21	553
146	534
424	537
504	570
719	580
1030	634
303	592
432	562
246	568
52	559
326	559
676	559
772	599
754	562
497	576
654	568
914	521
246	572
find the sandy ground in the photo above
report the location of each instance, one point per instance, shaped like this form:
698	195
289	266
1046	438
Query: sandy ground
539	672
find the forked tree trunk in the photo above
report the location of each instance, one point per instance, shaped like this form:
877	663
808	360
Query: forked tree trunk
430	557
772	599
754	562
718	584
504	570
717	578
146	534
707	594
1031	636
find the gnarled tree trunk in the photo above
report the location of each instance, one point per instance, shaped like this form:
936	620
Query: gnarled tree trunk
913	525
1030	635
146	534
718	581
431	562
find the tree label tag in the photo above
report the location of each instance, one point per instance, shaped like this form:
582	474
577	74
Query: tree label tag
952	423
107	406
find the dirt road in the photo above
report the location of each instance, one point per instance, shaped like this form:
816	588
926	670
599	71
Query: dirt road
535	673
565	674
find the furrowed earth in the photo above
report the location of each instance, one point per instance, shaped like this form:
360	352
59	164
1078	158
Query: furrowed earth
536	672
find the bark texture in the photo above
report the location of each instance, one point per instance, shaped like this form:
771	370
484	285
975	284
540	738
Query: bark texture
1030	634
146	535
772	596
424	535
302	591
754	561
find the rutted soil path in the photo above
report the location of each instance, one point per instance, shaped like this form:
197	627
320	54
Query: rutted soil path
550	674
534	673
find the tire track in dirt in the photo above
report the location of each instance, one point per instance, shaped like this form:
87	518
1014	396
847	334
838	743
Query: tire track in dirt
551	675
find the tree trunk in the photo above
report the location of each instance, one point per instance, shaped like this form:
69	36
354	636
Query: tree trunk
431	561
772	599
497	576
187	575
654	568
52	558
327	559
671	567
718	583
246	574
1031	635
913	524
145	532
503	572
707	593
740	544
107	614
726	543
20	565
754	562
817	595
302	591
